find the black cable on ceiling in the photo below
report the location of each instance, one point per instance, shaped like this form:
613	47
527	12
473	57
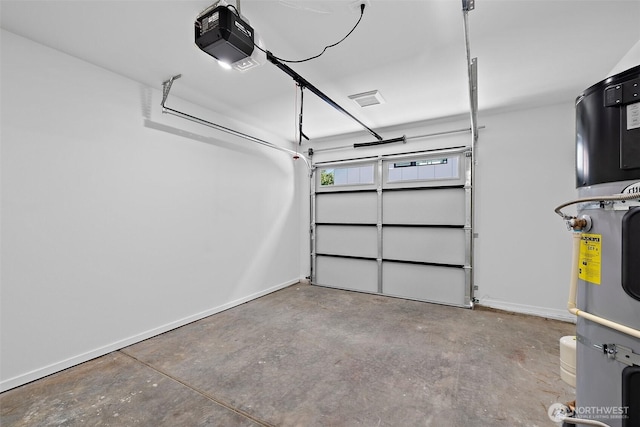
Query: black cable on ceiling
297	61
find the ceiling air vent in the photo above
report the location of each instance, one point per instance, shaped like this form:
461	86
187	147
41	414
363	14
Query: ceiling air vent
367	99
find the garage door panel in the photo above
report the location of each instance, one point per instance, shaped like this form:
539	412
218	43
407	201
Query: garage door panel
428	206
431	245
403	232
444	285
359	241
352	208
347	273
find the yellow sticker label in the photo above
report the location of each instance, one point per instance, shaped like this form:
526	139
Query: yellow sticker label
590	263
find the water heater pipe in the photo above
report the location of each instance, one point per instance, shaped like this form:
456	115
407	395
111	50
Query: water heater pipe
613	198
573	286
571	420
559	412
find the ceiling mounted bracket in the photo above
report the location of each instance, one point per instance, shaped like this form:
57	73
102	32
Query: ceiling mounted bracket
301	81
166	87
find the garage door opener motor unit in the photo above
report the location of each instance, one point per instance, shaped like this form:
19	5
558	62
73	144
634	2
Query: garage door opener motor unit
223	34
605	283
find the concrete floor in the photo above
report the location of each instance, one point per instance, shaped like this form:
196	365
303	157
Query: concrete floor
312	356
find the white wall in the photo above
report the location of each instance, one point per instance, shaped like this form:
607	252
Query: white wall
630	60
118	222
525	168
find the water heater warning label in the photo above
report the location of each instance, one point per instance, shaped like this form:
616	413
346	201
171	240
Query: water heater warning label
633	116
590	263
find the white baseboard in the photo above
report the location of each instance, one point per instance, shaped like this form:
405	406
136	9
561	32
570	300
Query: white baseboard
101	351
549	313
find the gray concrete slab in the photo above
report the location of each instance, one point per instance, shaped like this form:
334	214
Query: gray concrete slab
312	356
113	390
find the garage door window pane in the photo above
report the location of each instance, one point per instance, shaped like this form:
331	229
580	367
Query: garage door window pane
355	175
424	170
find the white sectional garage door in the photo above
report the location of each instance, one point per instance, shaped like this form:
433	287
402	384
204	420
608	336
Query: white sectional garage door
397	225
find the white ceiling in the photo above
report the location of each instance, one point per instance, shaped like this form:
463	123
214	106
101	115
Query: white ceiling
530	52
